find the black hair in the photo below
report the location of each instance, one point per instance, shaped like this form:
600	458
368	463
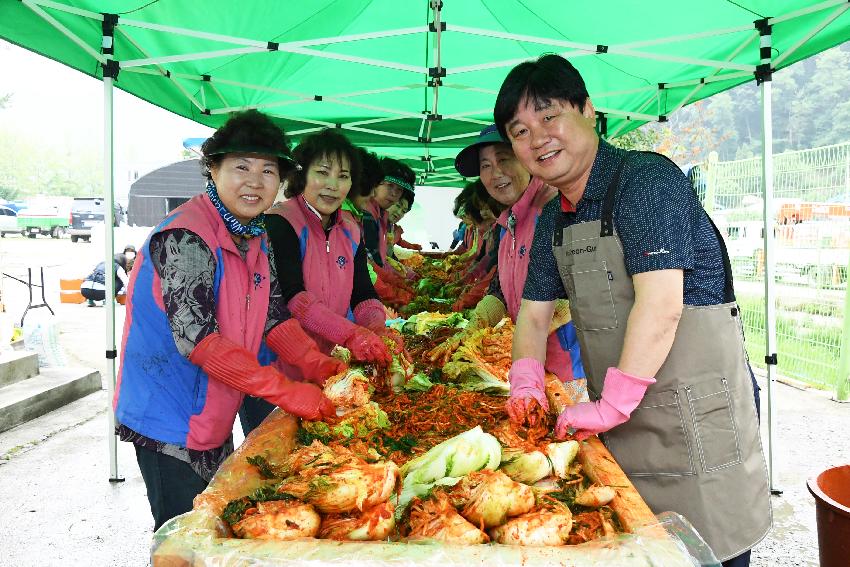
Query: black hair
394	168
481	198
462	198
330	143
371	173
549	77
246	129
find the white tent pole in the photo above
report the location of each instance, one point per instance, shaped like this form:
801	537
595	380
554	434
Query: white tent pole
764	75
109	73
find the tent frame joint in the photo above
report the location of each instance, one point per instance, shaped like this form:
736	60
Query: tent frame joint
602	119
663	118
108	27
771	359
764	72
437	72
111	68
601	49
432	27
273	46
763	26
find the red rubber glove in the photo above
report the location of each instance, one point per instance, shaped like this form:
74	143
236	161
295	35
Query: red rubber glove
391	294
234	365
296	348
528	382
372	315
394	336
621	394
367	346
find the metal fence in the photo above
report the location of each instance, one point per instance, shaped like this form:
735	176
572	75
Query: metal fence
811	222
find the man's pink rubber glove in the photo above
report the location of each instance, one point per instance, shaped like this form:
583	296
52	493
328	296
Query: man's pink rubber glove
621	394
528	382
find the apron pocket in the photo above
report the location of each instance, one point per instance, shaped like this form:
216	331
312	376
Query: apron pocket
714	424
654	441
591	300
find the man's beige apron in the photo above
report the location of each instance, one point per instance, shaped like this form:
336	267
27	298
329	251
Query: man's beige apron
692	445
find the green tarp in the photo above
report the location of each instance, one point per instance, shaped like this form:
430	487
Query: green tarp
389	74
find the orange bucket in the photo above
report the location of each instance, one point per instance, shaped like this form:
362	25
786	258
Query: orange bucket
831	490
69	291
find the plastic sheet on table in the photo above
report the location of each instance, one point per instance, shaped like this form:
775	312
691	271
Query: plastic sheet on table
195	539
200	538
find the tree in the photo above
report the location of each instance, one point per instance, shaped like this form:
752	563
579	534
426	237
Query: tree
829	84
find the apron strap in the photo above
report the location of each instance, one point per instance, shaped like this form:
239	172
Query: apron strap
608	206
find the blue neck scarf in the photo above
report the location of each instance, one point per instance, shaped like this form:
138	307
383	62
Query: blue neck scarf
256	227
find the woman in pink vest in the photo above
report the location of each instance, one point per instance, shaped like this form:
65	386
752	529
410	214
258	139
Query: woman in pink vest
523	197
321	261
204	319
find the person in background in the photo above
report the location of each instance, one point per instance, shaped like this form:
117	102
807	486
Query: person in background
395	232
93	287
488	211
130	255
320	257
204	312
523	197
460	231
363	188
651	292
397	179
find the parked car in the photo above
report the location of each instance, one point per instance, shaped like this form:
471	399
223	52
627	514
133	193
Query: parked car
87	212
8	221
47	220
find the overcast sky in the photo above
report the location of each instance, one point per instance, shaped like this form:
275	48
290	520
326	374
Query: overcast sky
64	109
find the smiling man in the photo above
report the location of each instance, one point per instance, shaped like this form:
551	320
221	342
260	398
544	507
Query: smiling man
651	294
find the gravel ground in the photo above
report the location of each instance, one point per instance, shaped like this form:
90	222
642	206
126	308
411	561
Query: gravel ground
60	508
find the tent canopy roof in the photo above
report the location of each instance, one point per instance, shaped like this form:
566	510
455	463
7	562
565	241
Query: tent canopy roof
417	79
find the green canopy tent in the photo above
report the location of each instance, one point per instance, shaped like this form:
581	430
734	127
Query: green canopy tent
416	79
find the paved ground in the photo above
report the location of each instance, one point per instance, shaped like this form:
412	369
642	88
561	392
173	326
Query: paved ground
59	507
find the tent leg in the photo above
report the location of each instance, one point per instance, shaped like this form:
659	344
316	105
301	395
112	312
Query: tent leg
109	239
769	269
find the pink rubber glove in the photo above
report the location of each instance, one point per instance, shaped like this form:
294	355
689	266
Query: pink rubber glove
314	316
621	394
370	314
528	382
